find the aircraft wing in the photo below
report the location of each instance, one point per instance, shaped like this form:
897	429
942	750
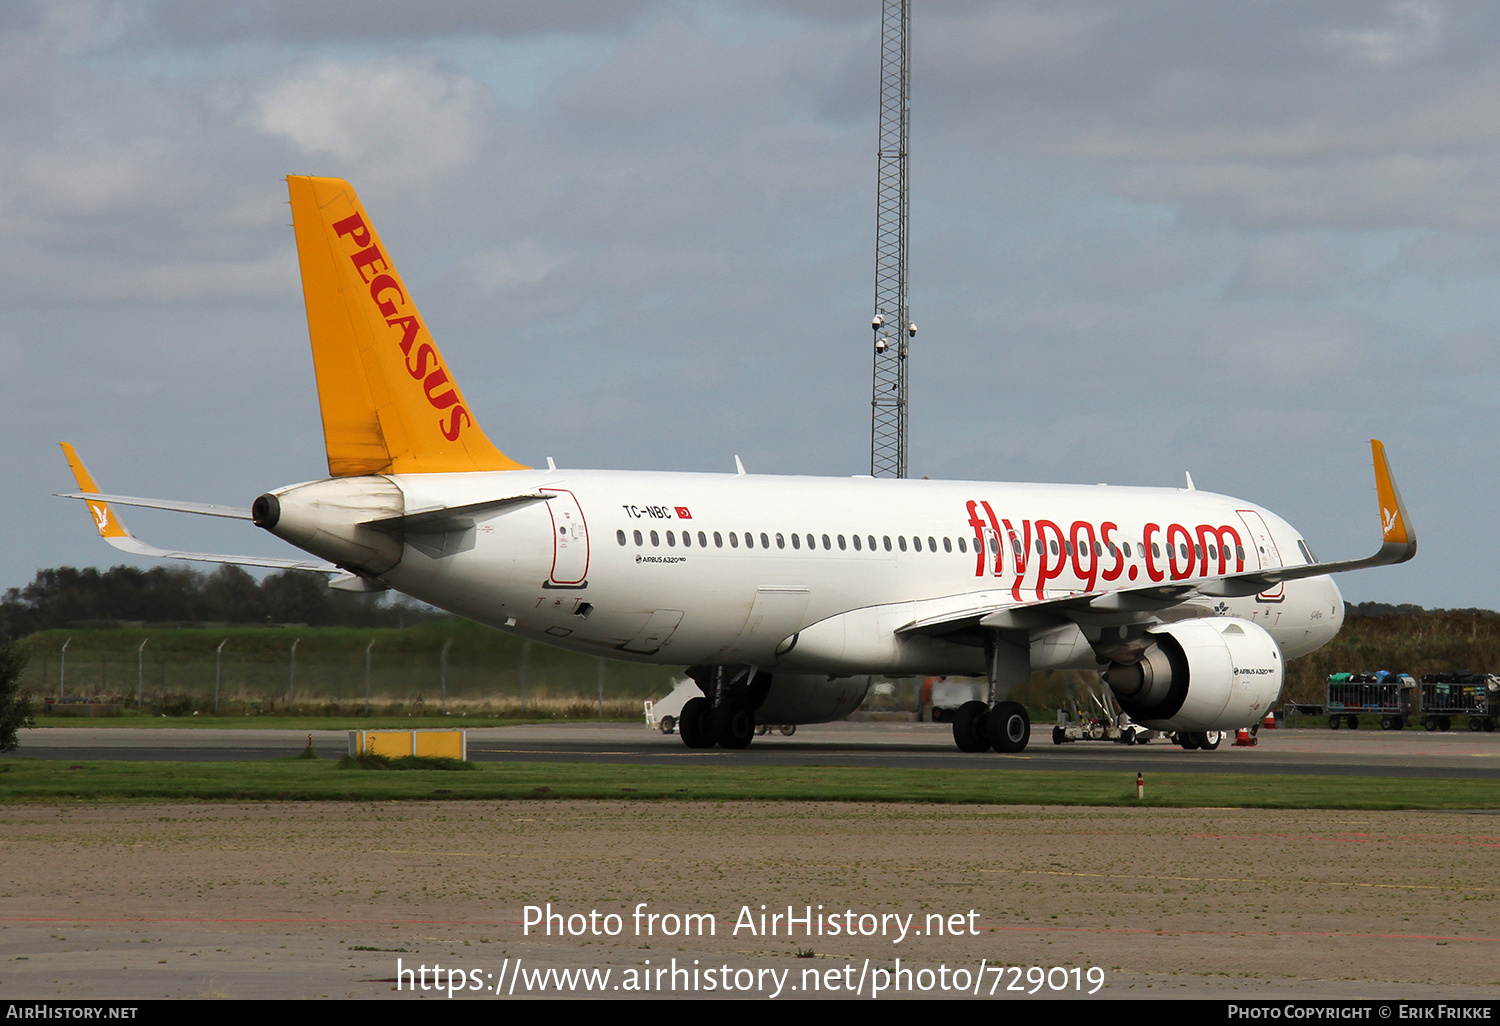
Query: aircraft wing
117	534
1398	544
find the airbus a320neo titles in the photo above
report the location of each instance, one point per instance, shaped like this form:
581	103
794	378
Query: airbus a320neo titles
781	595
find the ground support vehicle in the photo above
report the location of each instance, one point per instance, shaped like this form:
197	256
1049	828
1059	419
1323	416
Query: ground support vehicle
1094	715
1391	696
1446	695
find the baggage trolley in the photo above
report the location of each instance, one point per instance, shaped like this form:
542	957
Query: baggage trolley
1391	696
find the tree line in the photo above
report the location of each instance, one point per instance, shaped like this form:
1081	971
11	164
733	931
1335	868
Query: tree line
67	596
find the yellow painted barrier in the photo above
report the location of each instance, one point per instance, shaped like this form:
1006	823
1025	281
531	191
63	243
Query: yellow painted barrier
394	744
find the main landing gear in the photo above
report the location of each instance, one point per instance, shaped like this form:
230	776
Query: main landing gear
1002	725
977	727
726	719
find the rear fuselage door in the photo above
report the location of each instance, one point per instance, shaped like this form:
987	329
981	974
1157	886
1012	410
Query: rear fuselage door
570	538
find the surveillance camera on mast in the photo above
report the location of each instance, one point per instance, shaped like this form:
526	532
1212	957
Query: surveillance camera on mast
878	322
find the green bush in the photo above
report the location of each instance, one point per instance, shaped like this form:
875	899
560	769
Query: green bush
15	708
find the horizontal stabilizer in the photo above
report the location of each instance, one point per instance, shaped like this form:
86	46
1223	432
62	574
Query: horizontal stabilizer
117	534
439	519
207	509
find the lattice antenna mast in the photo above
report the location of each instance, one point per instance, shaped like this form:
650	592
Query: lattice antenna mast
893	326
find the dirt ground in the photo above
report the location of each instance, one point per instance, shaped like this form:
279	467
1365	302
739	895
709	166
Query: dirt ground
302	900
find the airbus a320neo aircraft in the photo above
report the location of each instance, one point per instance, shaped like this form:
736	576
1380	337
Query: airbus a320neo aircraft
782	595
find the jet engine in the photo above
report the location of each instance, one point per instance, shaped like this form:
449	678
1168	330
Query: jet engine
789	698
1211	674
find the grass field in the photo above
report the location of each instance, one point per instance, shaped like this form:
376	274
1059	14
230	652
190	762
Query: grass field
26	780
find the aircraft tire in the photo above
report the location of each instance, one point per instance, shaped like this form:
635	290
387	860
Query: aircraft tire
970	729
1009	727
695	723
1208	740
734	724
1187	741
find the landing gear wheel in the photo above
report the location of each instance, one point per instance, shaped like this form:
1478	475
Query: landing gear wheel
970	729
1188	741
1352	721
695	724
1009	727
1335	722
1208	740
734	723
667	724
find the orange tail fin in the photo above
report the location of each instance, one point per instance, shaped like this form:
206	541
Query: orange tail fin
389	402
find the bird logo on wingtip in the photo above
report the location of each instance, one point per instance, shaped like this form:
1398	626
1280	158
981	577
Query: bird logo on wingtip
1388	518
101	517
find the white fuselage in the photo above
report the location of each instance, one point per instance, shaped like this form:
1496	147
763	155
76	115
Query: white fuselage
816	575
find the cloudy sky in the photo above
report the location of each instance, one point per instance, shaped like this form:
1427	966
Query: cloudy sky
1233	239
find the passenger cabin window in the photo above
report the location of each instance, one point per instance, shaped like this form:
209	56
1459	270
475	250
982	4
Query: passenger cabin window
797	541
856	543
842	546
780	541
638	539
734	540
655	538
672	539
718	540
621	536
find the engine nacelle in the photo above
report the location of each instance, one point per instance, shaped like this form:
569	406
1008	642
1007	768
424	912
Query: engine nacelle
805	697
1217	673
